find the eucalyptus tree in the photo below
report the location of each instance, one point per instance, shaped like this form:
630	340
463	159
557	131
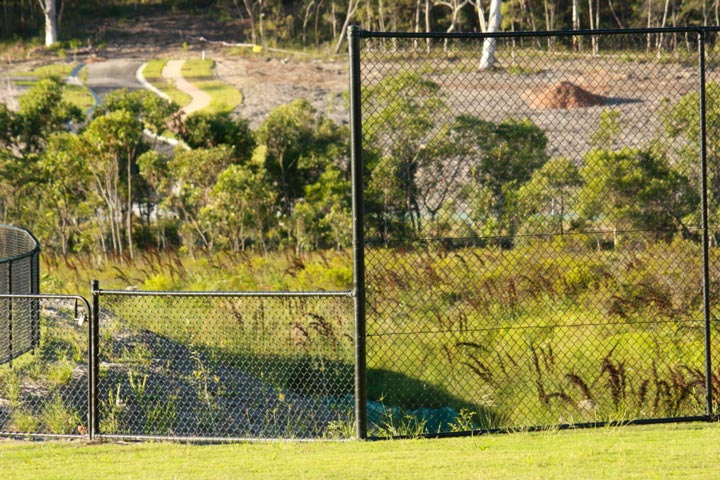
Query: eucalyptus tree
635	189
191	177
63	176
112	143
546	199
42	111
506	155
402	113
295	146
239	207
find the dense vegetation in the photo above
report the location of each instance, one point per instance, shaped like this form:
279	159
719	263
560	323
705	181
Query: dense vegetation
103	189
315	23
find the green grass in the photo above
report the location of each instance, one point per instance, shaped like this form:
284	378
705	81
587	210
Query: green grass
153	74
53	69
74	94
79	96
223	97
687	451
192	69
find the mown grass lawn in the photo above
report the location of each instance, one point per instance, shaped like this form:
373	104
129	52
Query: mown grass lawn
666	451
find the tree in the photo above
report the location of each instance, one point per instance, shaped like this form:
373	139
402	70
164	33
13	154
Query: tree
51	21
487	59
404	115
192	175
42	112
112	143
506	156
205	130
635	189
297	145
154	112
239	207
547	195
63	174
324	213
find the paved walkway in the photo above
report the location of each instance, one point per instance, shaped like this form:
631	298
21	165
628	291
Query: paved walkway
200	99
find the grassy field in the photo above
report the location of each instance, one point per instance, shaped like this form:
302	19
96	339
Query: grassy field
670	451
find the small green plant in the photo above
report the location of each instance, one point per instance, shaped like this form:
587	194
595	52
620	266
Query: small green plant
464	421
113	412
59	418
161	416
402	425
61	372
23	421
341	429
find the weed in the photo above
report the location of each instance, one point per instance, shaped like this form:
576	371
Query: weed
24	422
59	418
113	412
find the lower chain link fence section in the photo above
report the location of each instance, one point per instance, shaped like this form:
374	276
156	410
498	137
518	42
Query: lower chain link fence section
45	391
225	366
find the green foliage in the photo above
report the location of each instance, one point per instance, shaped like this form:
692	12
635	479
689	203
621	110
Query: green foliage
42	112
154	112
323	217
297	146
408	105
608	129
204	130
238	208
546	199
634	189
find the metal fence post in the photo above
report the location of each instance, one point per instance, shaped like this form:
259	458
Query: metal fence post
10	312
358	233
35	304
94	363
705	227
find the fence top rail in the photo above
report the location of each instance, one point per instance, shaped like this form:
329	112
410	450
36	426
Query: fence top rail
544	33
162	293
77	298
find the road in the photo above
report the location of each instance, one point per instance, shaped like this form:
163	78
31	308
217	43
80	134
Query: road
104	77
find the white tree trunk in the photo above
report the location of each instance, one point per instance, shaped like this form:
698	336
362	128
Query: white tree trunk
352	6
51	31
575	21
488	54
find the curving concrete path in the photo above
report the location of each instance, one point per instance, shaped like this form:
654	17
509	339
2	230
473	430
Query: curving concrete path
173	73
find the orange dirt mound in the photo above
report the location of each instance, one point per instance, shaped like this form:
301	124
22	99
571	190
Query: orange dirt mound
563	95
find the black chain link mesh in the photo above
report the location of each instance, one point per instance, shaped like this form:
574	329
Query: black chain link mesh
19	321
232	366
533	230
45	391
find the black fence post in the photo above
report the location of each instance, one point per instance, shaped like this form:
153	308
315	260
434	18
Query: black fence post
705	227
358	233
94	363
10	312
35	304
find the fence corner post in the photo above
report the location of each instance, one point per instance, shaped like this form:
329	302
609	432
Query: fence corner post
358	233
94	362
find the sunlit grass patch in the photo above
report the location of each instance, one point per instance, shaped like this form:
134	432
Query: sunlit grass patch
153	74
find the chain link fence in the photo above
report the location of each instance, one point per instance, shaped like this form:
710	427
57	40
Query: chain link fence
45	392
533	231
213	365
19	274
535	245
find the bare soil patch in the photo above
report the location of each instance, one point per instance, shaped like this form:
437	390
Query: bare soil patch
563	95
